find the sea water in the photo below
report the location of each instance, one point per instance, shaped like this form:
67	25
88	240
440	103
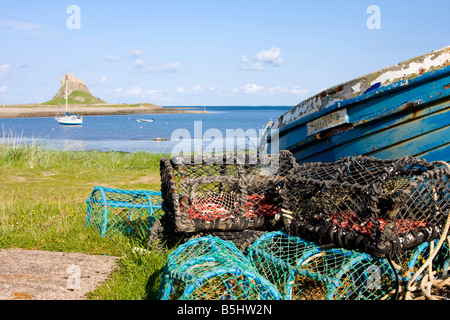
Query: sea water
236	127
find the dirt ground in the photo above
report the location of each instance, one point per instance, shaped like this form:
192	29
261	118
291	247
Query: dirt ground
44	275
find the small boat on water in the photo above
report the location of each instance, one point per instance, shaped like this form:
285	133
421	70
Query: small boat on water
145	120
69	118
401	110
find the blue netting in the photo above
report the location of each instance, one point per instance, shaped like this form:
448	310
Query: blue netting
358	228
123	211
282	266
303	270
409	262
209	268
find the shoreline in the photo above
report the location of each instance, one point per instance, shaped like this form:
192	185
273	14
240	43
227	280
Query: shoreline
39	111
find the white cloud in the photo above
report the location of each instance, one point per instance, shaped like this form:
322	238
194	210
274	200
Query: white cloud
119	89
32	29
4	69
139	64
19	25
168	67
133	91
162	95
270	56
251	66
180	90
253	88
3	89
278	89
197	87
104	79
136	53
111	57
154	91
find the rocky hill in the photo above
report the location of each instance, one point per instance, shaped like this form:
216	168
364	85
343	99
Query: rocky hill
78	92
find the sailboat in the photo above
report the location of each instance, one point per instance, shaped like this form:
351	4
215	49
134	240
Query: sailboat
69	118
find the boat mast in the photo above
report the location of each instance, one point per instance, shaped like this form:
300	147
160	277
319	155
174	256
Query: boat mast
67	92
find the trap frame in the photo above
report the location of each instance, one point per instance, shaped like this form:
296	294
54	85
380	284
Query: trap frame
130	212
226	192
302	270
209	268
381	207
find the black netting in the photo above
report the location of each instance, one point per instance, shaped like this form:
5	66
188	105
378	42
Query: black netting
377	206
230	192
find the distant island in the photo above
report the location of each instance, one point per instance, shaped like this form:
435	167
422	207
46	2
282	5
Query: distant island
82	102
78	93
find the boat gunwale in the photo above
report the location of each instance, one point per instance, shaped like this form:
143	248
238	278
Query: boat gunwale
431	112
367	96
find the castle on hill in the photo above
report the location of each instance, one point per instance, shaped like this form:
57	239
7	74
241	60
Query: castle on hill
78	91
72	79
73	84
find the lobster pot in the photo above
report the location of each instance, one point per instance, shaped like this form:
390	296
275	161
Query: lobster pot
409	261
129	212
209	268
381	207
227	192
301	270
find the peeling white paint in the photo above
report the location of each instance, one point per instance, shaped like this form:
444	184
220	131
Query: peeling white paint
357	87
430	61
434	60
308	106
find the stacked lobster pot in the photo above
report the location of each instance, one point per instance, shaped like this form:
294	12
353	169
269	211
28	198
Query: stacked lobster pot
235	196
381	207
209	268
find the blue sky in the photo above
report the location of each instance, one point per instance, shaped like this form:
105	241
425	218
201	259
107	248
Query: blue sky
214	52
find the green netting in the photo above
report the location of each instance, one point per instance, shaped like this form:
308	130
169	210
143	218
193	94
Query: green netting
410	261
209	268
356	229
302	270
411	264
130	212
282	266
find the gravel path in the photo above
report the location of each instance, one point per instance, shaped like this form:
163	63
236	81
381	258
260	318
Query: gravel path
44	275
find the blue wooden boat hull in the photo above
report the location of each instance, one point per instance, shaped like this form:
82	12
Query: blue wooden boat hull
407	117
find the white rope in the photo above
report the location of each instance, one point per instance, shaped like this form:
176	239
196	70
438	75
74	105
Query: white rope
427	280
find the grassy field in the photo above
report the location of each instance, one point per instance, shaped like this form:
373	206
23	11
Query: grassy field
43	206
75	97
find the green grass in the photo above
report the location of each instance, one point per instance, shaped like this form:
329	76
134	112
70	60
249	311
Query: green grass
75	97
137	278
43	206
